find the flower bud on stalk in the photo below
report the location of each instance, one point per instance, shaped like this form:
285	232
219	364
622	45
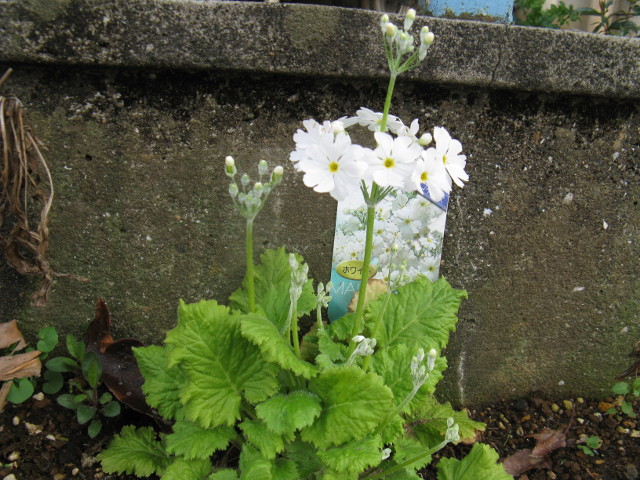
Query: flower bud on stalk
408	19
391	30
230	166
263	167
244	180
258	189
425	139
384	20
233	190
431	359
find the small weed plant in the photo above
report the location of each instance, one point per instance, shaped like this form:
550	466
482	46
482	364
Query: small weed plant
627	392
84	397
249	397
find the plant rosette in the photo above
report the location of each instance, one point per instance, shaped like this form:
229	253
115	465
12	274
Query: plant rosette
349	400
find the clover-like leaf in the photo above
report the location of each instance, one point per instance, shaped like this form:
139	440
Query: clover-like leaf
275	347
422	313
353	404
221	365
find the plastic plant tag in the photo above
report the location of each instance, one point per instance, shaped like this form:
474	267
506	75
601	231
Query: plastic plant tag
408	234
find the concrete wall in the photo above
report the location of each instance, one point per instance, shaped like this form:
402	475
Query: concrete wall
138	103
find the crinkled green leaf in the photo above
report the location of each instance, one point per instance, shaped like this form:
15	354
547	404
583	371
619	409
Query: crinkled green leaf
192	441
341	328
274	346
284	414
262	438
393	430
272	279
479	464
353	457
333	350
404	474
406	448
253	466
162	384
285	470
182	469
226	474
221	366
434	425
422	314
353	404
305	457
394	365
135	452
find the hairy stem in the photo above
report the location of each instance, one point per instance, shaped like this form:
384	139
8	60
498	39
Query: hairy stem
250	285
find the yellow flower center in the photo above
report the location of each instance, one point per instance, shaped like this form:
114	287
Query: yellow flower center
389	162
424	177
444	159
333	167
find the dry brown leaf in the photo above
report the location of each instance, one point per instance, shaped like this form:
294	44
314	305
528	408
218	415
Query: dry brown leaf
523	460
4	391
547	441
20	366
10	334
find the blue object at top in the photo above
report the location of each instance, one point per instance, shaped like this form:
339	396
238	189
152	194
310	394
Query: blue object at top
501	9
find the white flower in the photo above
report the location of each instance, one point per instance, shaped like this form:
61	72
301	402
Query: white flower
410	131
431	172
371	120
393	161
333	164
448	151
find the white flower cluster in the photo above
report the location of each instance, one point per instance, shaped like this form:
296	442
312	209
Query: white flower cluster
407	238
332	164
251	198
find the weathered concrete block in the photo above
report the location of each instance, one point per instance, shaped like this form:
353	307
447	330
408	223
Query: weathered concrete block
139	102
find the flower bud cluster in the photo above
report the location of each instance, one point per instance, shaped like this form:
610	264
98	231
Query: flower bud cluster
420	372
247	199
364	349
399	43
453	431
323	297
299	276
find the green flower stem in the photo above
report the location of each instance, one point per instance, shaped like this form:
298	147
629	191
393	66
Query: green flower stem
294	330
397	410
319	318
374	331
368	247
249	247
406	463
387	102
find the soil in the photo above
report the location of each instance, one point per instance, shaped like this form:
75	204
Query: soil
40	440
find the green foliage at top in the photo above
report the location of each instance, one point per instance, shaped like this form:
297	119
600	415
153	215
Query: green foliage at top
607	21
480	464
626	392
230	377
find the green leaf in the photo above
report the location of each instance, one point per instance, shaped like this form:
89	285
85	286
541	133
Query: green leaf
262	438
305	457
431	431
76	348
135	452
91	369
106	397
333	350
226	474
182	469
62	364
111	409
421	314
253	466
68	401
21	390
480	464
284	414
394	365
162	384
94	428
273	345
353	404
84	413
48	339
220	364
191	441
627	408
285	470
406	448
353	457
621	388
272	279
53	382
